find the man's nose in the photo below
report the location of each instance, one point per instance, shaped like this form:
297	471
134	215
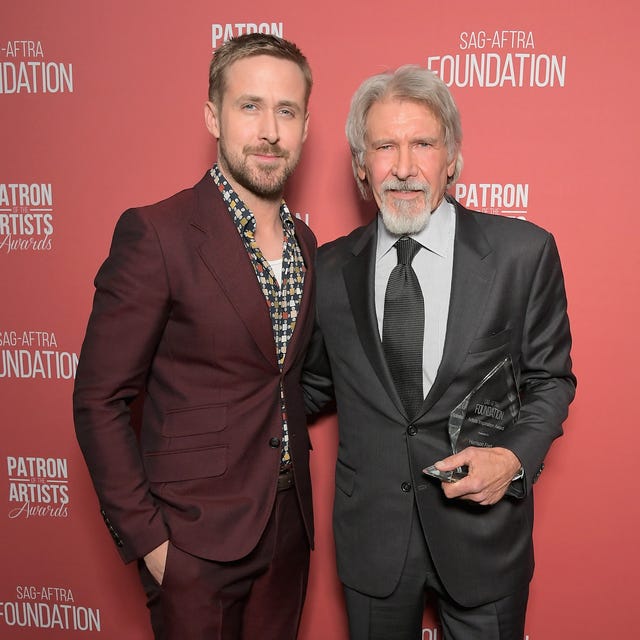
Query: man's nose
405	165
269	127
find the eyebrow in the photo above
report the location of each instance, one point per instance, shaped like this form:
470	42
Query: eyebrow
290	103
429	139
282	103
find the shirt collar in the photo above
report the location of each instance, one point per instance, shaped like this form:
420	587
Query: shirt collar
244	218
435	236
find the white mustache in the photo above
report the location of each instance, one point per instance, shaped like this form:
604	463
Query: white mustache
405	185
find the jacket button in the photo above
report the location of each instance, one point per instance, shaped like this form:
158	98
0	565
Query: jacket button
406	487
411	430
274	442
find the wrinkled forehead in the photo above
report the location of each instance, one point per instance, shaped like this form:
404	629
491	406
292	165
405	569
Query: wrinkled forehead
401	115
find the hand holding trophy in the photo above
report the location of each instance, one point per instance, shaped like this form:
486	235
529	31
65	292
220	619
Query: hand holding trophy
481	418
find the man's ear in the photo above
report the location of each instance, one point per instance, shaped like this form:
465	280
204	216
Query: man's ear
211	119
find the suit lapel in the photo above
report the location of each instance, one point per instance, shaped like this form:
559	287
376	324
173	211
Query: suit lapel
308	297
473	273
222	250
359	277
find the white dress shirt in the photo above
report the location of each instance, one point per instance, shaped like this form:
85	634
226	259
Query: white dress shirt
433	265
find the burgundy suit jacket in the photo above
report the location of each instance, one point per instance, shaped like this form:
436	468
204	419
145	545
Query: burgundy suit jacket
179	317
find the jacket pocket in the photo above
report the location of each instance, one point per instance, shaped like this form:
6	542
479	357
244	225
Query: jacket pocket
193	421
490	342
345	477
186	464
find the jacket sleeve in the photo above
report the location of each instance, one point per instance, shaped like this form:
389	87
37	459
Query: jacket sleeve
130	310
547	384
317	382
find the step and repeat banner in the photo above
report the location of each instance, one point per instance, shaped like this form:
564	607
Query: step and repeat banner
101	109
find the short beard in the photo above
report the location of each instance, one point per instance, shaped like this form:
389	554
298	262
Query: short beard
264	182
404	218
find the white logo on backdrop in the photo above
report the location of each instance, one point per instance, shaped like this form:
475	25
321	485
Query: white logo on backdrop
24	69
220	33
38	487
509	199
26	217
436	634
35	354
506	58
43	607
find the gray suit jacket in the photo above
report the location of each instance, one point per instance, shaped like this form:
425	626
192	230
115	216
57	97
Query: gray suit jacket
507	298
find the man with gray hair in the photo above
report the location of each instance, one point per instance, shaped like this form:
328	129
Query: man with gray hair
414	311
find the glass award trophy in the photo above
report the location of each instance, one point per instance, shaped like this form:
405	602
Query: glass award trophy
482	417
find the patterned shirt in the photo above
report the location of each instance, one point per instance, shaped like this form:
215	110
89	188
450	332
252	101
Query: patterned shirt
282	300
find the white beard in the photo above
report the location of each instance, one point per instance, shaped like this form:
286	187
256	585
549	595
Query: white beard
404	217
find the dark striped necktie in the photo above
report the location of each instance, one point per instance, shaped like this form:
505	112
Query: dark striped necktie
403	327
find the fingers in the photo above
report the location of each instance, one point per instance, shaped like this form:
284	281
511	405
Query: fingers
156	561
454	461
474	490
490	473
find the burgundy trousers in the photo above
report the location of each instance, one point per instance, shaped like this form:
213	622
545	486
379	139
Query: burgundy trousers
258	596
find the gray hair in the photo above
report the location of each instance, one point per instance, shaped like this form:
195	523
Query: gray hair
409	82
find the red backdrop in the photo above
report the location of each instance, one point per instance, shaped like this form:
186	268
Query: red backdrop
101	109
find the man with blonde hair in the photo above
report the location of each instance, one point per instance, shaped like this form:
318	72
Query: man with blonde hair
203	308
